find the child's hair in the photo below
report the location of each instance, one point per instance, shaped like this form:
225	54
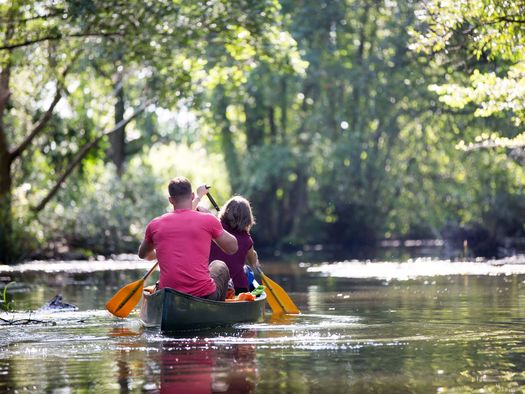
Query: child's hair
237	215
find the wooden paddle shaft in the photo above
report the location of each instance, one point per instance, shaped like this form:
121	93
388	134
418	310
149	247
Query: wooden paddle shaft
150	271
212	200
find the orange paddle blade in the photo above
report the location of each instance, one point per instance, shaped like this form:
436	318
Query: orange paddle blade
279	301
122	303
272	301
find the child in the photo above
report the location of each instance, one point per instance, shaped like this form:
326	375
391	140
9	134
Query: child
237	218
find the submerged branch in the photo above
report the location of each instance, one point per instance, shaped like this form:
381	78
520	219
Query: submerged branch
21	322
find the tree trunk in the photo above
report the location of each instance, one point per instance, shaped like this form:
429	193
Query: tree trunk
273	127
6	215
284	108
118	138
359	85
228	147
299	202
255	118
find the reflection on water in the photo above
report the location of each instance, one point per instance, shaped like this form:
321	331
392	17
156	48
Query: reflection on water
442	333
200	367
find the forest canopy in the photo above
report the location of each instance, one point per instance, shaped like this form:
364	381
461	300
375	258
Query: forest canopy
344	122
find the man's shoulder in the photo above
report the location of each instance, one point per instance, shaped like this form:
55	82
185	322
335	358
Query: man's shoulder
195	216
203	214
207	217
160	218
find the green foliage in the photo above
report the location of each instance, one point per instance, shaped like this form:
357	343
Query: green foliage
489	30
357	148
106	214
78	68
316	111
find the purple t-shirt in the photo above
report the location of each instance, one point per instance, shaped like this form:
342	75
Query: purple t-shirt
235	262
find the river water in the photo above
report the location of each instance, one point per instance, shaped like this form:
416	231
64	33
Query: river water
419	326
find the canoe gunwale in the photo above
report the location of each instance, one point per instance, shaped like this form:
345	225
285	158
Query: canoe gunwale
207	301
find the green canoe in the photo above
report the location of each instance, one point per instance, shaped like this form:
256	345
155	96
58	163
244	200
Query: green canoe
172	310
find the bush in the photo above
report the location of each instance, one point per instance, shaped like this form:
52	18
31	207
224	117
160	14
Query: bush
102	214
109	217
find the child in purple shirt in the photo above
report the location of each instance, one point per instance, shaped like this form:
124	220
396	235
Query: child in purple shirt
237	218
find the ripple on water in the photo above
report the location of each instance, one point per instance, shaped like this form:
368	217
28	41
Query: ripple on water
407	337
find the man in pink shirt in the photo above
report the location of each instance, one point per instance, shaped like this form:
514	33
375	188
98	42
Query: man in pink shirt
180	241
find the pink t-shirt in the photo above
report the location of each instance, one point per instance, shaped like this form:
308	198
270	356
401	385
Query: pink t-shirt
182	241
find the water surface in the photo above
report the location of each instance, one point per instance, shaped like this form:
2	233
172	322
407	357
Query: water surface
418	326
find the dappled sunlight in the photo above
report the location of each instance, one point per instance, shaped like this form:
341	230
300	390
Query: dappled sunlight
72	266
195	163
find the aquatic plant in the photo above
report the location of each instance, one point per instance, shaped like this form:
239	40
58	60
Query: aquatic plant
5	304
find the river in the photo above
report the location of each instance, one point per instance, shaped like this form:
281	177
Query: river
418	326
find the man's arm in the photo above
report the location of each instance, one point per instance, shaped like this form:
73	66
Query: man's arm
227	242
147	251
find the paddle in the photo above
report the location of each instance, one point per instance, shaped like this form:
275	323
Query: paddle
279	301
277	298
212	200
123	302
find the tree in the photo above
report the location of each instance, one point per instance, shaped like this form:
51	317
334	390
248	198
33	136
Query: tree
341	125
492	32
168	46
356	148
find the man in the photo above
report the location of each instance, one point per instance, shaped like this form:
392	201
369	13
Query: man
180	241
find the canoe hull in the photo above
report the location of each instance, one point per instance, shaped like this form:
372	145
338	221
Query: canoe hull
175	311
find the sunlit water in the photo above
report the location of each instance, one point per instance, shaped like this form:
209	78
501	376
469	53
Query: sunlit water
418	326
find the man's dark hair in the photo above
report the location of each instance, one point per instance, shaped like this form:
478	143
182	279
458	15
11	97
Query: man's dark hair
179	188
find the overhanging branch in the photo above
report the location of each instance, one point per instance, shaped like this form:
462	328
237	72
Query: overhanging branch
37	128
57	38
82	153
44	119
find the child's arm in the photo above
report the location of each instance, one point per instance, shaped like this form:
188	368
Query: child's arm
202	190
252	258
